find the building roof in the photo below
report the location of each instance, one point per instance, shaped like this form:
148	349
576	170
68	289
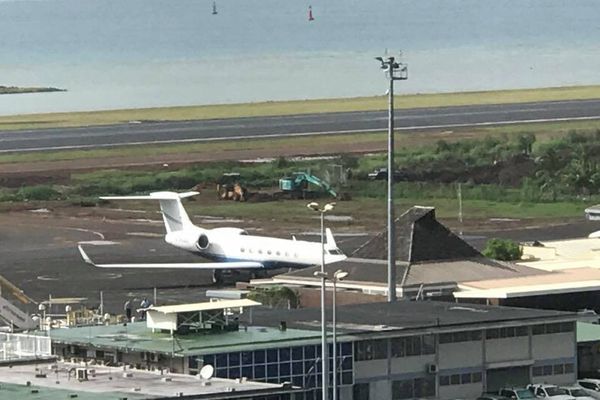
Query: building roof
303	327
373	273
427	253
110	383
205	306
419	237
137	337
564	281
409	315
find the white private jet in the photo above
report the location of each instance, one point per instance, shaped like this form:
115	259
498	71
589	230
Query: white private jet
230	248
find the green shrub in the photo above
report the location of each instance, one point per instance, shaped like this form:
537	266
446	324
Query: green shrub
502	249
41	192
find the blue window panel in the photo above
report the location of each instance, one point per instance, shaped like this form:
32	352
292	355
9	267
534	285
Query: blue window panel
272	356
259	357
246	358
234	373
284	354
221	361
193	362
346	348
209	360
247	372
284	368
273	380
310	396
309	352
297	381
297	368
234	359
297	353
259	371
285	378
272	370
221	372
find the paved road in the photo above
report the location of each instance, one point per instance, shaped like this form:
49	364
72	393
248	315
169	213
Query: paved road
202	130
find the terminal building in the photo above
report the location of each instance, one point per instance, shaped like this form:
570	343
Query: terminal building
401	350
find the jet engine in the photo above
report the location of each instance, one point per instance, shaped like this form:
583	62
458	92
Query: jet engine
203	242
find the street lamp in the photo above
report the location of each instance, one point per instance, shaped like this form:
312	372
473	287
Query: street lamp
338	275
324	357
394	71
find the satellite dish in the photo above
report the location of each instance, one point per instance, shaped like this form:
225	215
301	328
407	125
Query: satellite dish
207	372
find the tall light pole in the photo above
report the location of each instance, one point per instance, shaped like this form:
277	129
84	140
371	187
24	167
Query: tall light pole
394	71
324	356
338	275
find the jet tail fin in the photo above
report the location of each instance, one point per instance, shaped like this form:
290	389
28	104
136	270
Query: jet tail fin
330	239
174	215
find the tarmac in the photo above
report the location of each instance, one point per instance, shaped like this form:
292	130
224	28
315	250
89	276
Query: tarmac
39	255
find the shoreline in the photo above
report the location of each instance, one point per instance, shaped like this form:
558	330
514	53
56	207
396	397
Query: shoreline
23	90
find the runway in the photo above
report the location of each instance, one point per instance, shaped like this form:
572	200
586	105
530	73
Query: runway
156	132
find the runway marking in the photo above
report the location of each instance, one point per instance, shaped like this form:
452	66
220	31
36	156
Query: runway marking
99	234
98	242
300	134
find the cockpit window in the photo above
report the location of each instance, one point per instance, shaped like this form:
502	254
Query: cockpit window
336	252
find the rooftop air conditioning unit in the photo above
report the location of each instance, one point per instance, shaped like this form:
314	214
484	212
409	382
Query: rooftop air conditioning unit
432	368
82	374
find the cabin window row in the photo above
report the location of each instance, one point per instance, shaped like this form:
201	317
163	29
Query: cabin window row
268	252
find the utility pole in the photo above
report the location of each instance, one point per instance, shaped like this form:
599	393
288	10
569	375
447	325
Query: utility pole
394	72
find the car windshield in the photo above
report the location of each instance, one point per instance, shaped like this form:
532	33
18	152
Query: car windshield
555	391
578	393
525	394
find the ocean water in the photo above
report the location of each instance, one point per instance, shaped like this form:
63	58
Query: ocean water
142	53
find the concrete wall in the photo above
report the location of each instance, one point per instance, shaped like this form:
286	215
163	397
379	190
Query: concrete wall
417	364
460	355
380	390
506	349
556	345
370	369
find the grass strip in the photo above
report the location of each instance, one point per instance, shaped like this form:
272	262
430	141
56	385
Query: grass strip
33	121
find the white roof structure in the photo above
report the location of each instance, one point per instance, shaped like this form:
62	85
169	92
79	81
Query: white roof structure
196	316
206	306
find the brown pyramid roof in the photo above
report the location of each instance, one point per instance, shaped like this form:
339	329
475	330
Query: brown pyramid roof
419	238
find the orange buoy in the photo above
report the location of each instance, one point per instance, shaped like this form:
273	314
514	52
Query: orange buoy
310	14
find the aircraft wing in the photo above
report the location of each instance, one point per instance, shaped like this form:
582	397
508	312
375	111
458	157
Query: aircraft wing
211	266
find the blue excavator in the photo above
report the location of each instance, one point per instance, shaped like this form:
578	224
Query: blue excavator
297	186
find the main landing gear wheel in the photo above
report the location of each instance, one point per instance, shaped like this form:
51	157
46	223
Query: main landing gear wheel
217	277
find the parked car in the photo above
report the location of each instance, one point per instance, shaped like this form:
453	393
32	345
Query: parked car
517	393
591	386
488	396
382	173
552	392
578	392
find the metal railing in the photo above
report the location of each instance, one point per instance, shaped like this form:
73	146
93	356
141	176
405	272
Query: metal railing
14	346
